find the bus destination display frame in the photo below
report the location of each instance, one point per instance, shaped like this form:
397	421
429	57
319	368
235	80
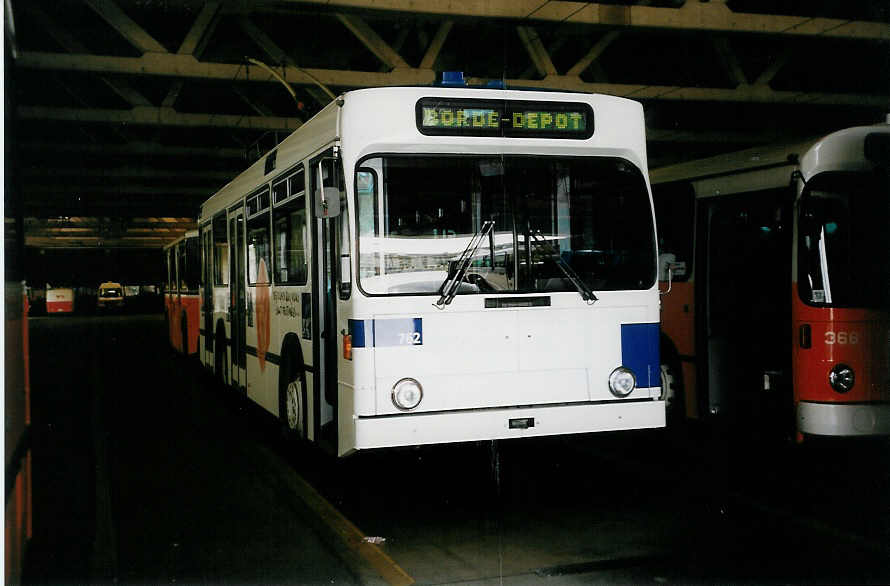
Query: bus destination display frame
504	118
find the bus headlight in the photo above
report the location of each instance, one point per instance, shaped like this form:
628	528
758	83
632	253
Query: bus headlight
622	382
406	394
841	378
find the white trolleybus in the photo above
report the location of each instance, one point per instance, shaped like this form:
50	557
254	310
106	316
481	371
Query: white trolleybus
431	265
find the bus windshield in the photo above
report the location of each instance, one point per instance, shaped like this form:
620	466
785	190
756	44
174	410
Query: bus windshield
844	246
418	214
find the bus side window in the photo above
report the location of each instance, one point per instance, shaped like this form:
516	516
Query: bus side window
220	251
291	266
258	250
189	279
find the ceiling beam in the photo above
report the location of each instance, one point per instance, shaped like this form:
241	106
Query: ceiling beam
126	173
594	53
372	41
201	30
531	40
72	45
173	191
693	15
654	135
134	148
747	93
157	117
126	26
188	66
773	68
435	46
194	43
280	56
730	61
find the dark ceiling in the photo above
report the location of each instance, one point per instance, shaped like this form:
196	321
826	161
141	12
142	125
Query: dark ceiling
128	113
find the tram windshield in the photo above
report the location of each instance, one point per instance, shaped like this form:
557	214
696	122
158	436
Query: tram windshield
418	214
844	246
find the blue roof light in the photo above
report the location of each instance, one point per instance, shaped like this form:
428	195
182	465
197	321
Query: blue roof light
454	78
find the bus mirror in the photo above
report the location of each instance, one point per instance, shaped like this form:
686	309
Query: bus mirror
327	196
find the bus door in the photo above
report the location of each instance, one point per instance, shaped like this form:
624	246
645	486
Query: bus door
747	307
238	302
324	306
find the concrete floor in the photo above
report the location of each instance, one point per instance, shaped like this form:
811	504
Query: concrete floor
145	472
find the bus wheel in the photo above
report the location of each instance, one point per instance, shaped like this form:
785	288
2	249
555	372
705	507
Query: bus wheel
672	393
292	400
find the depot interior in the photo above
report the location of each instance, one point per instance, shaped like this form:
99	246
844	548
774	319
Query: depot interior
123	116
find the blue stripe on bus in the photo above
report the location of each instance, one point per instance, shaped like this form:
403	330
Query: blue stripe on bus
371	333
362	332
640	352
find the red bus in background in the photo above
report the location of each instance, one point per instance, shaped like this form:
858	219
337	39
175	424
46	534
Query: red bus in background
59	300
17	406
182	304
778	265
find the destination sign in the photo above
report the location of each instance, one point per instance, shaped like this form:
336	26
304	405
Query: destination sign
504	118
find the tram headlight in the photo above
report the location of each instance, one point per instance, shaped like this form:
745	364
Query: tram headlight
622	382
406	394
841	378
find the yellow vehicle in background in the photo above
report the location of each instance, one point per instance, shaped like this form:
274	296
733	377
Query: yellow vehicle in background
110	296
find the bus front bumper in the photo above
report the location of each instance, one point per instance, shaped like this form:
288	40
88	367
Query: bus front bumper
506	423
843	419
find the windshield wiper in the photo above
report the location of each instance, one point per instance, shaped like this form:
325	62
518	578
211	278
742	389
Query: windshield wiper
582	288
457	269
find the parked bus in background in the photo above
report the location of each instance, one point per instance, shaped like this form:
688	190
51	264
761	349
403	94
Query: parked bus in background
181	299
59	300
430	265
110	297
779	310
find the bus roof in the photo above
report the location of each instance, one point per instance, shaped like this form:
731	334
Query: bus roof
843	150
843	145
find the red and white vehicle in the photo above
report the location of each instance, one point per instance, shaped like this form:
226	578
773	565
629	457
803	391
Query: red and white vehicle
59	300
742	231
182	303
